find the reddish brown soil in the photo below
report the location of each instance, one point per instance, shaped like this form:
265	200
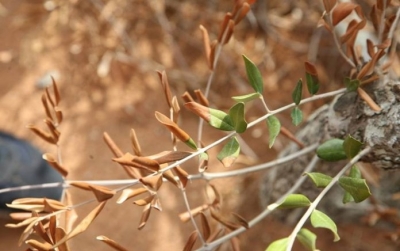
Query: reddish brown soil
128	97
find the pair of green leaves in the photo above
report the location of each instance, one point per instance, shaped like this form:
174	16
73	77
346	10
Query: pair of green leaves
338	149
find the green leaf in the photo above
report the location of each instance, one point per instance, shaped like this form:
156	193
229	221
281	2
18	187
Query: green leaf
331	150
351	146
307	239
312	83
297	116
274	127
237	115
294	201
220	120
190	142
297	92
351	84
319	219
357	188
247	97
278	245
229	152
320	179
254	75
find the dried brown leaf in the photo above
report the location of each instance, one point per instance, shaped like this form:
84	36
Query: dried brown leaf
202	99
170	156
187	97
206	42
205	226
213	194
39	245
145	216
352	30
323	22
182	175
213	47
56	92
224	25
53	162
129	160
53	229
20	216
81	185
329	4
165	85
191	241
240	220
52	205
156	203
102	193
341	11
368	68
176	108
385	44
288	134
46	107
153	182
83	225
49	98
243	12
111	144
370	48
42	134
53	130
218	217
70	215
375	17
371	103
59	114
229	33
111	243
145	163
215	234
41	231
199	110
22	223
32	207
169	175
135	143
130	193
172	126
60	233
27	231
145	201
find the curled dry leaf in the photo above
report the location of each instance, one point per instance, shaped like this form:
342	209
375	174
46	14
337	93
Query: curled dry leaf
23	223
213	194
369	67
174	128
145	201
41	231
169	156
187	97
368	100
156	204
243	12
352	30
59	115
56	92
20	216
102	193
53	130
60	233
182	175
202	99
39	245
205	226
191	241
83	225
231	26
145	163
341	11
111	243
370	48
52	229
42	134
153	182
32	207
165	85
329	4
52	205
169	175
81	185
240	220
224	26
46	107
215	234
206	42
213	46
70	215
49	97
53	162
145	216
218	217
176	108
135	143
129	193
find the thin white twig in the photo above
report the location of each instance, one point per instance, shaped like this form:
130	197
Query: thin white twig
314	204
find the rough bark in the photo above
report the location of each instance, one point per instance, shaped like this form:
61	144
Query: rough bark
347	114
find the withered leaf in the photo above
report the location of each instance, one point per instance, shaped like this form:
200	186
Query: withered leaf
240	220
46	107
173	127
224	25
51	206
42	134
213	45
27	207
81	185
111	243
206	42
54	163
70	215
231	26
341	11
145	163
153	182
59	114
218	217
215	234
243	12
52	229
22	223
57	95
370	48
329	4
83	225
169	175
164	82
60	233
53	130
156	204
39	245
129	193
191	241
145	216
169	156
145	201
368	100
187	98
185	216
205	226
102	193
135	143
182	175
40	230
202	99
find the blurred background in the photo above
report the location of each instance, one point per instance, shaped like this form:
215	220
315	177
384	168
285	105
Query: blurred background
104	56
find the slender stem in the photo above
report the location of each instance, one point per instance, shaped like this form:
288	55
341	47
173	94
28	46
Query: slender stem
394	25
313	205
191	216
264	213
